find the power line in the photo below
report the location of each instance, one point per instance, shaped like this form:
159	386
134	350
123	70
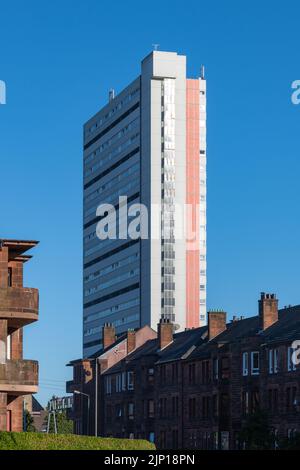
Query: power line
52	384
49	387
52	380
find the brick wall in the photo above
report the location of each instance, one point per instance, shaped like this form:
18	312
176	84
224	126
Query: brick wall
199	405
18	307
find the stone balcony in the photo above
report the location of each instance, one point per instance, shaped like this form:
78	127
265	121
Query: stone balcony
19	377
20	306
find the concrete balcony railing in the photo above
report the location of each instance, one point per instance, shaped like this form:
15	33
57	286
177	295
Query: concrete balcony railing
19	377
20	306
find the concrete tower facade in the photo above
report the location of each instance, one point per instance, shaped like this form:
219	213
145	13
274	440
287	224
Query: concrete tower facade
148	144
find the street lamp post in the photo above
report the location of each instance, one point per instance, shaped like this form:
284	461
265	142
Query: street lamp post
96	360
96	397
77	392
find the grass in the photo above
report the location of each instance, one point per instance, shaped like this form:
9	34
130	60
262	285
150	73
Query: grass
38	441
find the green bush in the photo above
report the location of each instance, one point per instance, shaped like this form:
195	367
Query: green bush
38	441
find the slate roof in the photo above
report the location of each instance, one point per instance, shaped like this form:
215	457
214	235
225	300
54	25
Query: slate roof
36	406
191	344
183	343
287	328
101	351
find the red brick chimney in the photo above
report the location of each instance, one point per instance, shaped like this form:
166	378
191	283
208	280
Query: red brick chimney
108	335
130	341
268	310
216	323
165	332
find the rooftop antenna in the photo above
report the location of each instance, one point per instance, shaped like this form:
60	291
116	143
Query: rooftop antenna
202	73
111	94
155	47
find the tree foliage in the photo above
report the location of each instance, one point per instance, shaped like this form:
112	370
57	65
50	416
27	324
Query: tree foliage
28	422
256	434
64	425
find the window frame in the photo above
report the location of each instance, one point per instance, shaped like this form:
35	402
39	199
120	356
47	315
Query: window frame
245	363
291	367
130	380
255	370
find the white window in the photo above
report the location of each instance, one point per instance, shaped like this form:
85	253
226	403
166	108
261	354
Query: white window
290	364
130	410
130	380
275	358
123	381
254	363
118	383
108	385
273	361
275	431
119	411
216	368
245	363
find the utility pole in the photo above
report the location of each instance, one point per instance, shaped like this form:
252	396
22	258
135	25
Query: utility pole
52	413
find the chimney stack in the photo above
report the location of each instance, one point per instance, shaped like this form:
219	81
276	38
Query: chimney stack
108	335
216	323
165	332
268	310
130	341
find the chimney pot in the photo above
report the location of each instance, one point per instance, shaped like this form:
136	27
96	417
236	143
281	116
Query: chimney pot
216	323
268	310
131	341
111	95
165	332
108	335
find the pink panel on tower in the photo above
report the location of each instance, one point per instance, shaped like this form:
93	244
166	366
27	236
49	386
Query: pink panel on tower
192	199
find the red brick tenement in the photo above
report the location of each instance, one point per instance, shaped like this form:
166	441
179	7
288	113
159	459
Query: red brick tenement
87	377
194	389
18	308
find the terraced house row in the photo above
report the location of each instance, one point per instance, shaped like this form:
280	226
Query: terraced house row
196	388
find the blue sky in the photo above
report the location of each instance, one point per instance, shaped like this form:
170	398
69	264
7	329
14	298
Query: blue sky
59	60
